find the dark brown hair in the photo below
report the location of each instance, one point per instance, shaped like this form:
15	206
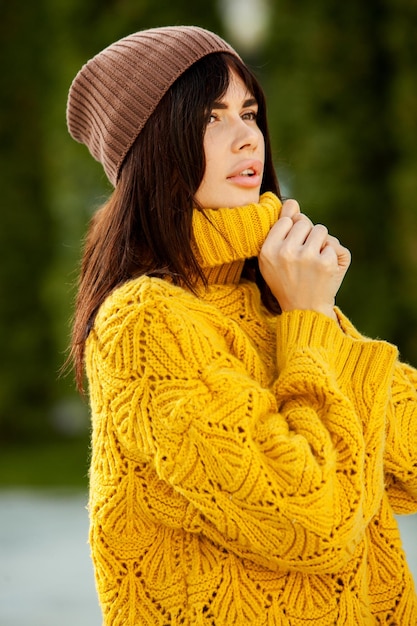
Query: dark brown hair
145	227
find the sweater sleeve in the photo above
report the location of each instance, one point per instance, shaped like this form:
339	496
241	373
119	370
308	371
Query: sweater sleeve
400	462
400	447
277	475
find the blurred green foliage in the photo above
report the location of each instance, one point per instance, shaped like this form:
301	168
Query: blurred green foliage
60	463
341	85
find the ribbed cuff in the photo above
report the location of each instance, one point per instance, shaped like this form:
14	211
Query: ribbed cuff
351	356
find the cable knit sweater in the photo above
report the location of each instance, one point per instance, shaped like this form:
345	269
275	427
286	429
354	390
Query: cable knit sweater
245	467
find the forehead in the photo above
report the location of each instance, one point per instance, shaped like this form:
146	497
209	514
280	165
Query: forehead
237	89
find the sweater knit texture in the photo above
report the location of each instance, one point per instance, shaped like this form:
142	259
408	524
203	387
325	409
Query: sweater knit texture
246	467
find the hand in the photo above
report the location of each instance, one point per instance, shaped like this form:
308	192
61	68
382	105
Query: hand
302	264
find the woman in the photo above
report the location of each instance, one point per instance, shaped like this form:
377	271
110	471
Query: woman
249	446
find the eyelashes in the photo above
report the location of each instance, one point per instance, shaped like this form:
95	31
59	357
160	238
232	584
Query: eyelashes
250	116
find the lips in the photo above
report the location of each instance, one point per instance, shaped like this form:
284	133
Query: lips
247	168
247	174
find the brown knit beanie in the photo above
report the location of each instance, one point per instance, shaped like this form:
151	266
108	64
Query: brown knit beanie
115	92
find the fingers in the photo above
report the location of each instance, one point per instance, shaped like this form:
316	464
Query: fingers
343	254
290	208
285	233
295	229
317	238
302	232
276	236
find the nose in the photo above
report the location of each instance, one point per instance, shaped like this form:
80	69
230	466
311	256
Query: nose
246	137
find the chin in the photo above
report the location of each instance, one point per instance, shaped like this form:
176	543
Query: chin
247	198
240	199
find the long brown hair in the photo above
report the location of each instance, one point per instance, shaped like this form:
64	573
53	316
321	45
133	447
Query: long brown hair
145	227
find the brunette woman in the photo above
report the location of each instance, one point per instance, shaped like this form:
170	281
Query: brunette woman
249	446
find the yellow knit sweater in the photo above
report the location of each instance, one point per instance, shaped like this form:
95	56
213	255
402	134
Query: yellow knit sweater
245	467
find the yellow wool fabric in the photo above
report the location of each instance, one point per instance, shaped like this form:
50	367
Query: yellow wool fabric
245	467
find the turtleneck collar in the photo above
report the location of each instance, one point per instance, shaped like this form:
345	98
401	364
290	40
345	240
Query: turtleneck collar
224	238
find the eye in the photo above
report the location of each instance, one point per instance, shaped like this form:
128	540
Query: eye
251	116
212	118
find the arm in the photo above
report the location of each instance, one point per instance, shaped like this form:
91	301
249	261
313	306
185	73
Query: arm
400	446
401	442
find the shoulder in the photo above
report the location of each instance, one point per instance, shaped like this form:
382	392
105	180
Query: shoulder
141	296
148	316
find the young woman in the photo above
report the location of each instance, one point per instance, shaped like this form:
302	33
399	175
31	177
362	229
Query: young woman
249	446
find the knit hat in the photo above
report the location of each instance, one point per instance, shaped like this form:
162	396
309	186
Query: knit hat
115	92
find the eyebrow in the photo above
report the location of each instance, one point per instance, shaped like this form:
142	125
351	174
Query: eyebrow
246	103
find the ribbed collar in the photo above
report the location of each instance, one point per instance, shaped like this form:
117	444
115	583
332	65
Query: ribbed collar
224	238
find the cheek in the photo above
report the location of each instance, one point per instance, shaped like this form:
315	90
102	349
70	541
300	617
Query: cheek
214	160
262	142
211	148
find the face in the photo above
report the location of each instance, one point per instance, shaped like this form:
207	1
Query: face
234	149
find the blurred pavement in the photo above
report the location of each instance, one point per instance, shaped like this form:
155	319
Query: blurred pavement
46	576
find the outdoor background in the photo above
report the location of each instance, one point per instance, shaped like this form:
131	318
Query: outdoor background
341	83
